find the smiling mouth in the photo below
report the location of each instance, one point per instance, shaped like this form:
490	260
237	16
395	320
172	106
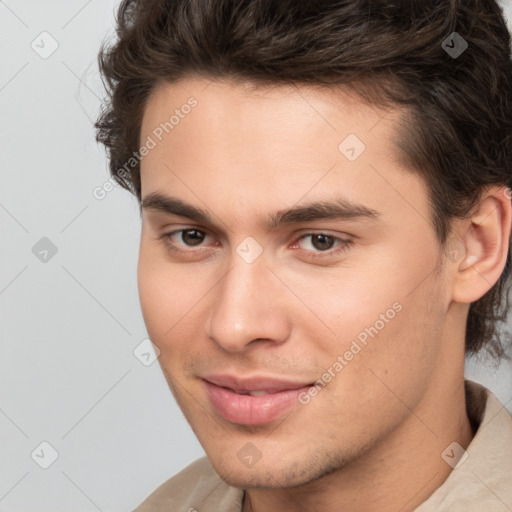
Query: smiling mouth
252	393
254	385
257	392
254	406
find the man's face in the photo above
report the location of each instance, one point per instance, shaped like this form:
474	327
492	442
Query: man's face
254	300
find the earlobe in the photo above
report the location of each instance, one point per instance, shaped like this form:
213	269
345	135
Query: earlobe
486	244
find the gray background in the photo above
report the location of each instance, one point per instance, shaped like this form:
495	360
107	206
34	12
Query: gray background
70	321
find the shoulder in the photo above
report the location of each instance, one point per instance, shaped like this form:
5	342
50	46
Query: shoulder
197	486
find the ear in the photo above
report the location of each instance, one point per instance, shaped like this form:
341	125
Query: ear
483	245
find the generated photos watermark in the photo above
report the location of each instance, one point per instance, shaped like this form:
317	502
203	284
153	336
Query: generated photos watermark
150	143
356	346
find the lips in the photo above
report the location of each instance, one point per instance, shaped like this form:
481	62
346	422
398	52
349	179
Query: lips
254	400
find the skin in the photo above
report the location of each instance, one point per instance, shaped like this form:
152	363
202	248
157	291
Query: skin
372	438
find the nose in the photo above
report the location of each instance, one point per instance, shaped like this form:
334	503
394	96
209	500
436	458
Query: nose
248	307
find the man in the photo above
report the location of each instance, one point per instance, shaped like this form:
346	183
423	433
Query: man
326	221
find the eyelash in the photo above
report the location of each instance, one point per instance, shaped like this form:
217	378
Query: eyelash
343	245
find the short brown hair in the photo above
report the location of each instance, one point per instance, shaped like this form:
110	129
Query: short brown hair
457	136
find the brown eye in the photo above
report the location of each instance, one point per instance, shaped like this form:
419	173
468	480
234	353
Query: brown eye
322	242
323	245
192	237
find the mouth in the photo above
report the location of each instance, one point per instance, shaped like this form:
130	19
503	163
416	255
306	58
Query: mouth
252	393
252	401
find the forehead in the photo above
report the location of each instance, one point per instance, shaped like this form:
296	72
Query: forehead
248	106
248	146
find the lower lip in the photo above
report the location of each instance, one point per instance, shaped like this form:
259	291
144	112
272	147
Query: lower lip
252	410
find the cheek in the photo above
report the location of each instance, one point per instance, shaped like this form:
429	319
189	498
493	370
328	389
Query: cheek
397	347
387	312
169	295
343	301
374	367
160	295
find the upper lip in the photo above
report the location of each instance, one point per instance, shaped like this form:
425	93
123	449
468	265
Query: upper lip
255	383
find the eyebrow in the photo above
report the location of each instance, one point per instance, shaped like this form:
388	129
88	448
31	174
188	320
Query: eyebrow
337	209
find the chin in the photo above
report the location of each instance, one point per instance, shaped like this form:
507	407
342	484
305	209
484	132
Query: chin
263	479
274	474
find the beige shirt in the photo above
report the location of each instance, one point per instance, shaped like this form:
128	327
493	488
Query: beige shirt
480	483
